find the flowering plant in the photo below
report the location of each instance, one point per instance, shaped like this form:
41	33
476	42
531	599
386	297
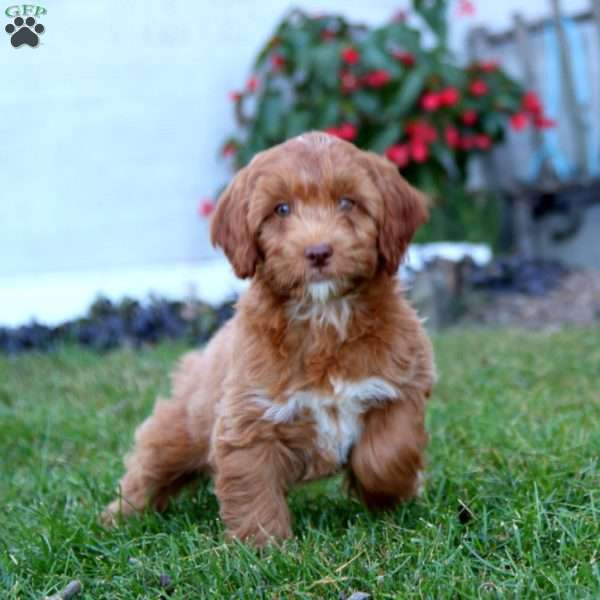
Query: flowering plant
383	89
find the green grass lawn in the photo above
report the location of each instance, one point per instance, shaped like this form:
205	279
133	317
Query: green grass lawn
515	435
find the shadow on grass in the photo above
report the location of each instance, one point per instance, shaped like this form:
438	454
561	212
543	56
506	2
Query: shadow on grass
329	508
323	507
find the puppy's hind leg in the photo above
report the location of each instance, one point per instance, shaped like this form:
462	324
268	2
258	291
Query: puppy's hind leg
166	456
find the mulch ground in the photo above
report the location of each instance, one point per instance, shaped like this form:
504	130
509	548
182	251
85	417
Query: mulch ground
575	301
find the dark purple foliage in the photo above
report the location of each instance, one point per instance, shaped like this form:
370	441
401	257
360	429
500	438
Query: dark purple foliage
110	325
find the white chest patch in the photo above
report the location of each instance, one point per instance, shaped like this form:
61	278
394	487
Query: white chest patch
337	417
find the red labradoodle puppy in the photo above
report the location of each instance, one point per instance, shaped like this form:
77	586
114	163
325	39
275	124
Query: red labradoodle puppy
325	367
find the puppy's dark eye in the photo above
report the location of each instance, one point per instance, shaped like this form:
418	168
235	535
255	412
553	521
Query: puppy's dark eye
283	209
345	204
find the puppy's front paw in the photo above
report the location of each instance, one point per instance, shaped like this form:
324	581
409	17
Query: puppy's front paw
260	537
115	513
420	484
109	516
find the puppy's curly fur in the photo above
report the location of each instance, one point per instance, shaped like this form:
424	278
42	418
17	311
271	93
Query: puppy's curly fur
325	367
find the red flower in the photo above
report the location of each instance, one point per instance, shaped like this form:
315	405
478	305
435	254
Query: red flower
449	97
419	150
422	131
488	66
350	56
406	58
519	121
469	118
205	207
452	136
347	131
235	96
532	104
400	16
277	61
377	78
465	8
399	154
430	101
467	143
483	141
229	149
532	107
349	82
327	35
542	122
478	87
252	83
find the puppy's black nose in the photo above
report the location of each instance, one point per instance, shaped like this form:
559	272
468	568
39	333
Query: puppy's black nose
318	255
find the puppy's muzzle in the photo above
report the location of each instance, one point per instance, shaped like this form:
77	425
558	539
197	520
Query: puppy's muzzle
318	256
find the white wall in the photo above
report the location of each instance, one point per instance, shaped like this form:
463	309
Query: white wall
110	129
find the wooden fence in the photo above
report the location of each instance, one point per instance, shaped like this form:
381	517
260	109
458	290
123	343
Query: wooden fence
556	170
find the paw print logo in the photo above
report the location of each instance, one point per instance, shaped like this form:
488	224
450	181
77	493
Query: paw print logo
24	31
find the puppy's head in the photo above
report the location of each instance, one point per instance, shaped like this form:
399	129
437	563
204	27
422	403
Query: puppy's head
317	210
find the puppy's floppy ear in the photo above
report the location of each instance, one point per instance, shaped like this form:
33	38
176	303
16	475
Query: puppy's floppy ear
404	210
229	228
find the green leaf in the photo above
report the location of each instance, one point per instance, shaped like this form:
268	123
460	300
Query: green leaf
434	13
243	156
270	116
297	123
385	138
454	76
329	114
400	36
298	43
509	102
410	90
367	103
427	181
374	57
326	63
493	123
439	152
